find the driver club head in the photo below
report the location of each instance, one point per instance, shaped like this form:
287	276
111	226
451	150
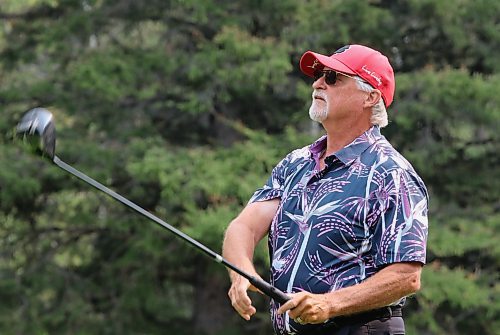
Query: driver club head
38	132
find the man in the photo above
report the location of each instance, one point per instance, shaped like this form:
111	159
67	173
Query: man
346	216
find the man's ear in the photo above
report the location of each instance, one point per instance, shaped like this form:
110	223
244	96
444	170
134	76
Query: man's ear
372	99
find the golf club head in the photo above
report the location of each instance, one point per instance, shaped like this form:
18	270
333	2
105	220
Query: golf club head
38	132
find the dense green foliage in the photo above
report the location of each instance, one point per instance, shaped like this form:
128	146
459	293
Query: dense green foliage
184	106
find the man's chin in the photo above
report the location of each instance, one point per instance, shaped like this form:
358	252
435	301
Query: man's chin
317	113
317	116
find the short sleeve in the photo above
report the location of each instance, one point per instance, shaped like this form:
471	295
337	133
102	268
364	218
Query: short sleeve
274	186
401	232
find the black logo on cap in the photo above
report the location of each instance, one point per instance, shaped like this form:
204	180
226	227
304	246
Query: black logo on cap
344	48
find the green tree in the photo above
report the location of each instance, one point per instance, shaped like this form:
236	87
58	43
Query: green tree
185	107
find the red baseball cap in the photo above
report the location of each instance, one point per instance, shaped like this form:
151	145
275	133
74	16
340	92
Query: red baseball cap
357	60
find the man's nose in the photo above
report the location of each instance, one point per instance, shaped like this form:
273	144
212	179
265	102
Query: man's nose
319	83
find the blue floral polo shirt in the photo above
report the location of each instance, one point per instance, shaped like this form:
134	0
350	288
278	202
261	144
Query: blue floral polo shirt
338	226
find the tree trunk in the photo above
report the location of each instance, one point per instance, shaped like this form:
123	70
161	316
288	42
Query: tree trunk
212	307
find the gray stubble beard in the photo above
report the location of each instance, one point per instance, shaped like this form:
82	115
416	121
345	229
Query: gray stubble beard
317	113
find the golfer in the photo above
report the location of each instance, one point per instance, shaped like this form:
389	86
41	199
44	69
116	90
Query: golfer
346	216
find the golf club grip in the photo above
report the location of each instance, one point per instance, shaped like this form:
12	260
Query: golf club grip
269	290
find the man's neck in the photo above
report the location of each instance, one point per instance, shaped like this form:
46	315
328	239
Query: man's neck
338	137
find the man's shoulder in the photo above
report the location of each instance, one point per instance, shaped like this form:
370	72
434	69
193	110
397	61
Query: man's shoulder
388	159
390	164
297	155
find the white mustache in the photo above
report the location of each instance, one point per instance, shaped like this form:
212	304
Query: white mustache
318	94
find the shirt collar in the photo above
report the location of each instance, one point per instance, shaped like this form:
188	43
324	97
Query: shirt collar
353	150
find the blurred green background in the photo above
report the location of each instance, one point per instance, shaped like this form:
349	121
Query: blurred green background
184	107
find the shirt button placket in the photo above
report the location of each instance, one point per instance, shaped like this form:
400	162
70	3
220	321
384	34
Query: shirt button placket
309	189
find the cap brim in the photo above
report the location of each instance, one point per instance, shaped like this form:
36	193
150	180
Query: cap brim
308	66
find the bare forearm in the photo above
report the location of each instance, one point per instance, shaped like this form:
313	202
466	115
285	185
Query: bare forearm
382	289
245	232
238	248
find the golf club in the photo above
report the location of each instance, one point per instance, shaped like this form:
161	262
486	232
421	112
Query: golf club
38	133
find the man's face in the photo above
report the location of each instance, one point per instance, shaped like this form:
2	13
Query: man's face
334	100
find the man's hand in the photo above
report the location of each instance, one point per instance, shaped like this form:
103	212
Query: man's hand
238	293
242	236
305	307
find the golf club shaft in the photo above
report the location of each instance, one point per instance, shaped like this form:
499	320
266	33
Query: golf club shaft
263	286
